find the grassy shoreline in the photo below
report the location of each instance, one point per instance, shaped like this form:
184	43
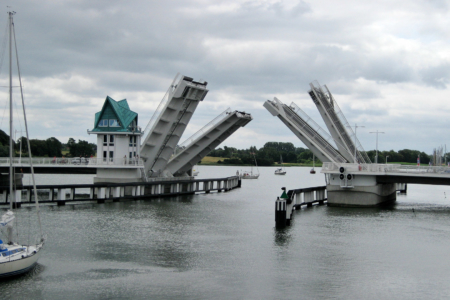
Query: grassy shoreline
213	161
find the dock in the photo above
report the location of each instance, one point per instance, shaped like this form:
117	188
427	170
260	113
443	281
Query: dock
294	200
102	192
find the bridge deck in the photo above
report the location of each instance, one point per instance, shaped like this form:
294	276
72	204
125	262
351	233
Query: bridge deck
46	165
391	173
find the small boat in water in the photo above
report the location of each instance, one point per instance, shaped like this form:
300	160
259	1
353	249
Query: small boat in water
247	175
280	171
250	175
17	258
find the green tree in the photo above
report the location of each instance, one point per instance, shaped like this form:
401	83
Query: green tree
82	148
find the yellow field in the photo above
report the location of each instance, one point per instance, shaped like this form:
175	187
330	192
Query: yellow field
211	160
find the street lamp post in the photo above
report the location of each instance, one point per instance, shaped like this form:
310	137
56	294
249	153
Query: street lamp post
376	156
356	126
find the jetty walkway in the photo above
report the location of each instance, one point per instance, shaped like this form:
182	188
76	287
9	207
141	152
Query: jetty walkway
102	192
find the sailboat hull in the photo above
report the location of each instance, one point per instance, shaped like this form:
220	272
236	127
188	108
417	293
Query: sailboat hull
18	267
250	176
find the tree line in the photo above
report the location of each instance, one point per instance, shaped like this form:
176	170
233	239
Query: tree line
47	148
273	152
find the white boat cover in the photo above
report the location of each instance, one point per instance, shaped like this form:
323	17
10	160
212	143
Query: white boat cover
7	218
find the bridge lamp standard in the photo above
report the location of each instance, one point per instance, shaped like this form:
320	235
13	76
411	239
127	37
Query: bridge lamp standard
356	126
376	156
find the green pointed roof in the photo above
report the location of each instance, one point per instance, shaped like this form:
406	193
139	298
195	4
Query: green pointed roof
119	110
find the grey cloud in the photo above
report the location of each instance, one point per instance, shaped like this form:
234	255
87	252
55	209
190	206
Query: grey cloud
123	47
437	76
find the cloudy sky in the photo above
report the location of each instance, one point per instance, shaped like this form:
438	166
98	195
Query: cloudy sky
387	63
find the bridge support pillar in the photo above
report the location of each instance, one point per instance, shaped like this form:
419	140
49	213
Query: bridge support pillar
101	194
308	198
320	196
61	197
116	193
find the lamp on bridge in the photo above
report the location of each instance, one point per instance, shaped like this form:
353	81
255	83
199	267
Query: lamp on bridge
356	126
376	156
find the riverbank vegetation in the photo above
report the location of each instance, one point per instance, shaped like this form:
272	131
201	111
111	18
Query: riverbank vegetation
47	148
272	153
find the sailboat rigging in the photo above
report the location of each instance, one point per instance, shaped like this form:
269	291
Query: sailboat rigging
15	258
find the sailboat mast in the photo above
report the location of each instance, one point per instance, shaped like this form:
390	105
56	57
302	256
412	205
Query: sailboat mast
11	194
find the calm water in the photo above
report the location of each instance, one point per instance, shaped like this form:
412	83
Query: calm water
225	246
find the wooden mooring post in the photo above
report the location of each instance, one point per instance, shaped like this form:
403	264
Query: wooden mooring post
294	200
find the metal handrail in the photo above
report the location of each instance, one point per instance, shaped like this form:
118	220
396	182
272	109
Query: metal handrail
325	135
387	168
314	132
203	130
339	120
57	161
159	109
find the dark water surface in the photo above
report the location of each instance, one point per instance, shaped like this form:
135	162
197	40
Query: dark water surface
225	246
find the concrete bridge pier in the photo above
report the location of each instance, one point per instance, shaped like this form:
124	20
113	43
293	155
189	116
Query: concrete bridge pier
350	188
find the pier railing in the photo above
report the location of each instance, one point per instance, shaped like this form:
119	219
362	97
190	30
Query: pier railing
284	207
386	168
58	161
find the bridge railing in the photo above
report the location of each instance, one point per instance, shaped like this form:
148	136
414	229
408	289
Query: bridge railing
386	168
181	147
60	161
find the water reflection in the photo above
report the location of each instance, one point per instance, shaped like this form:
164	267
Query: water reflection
282	236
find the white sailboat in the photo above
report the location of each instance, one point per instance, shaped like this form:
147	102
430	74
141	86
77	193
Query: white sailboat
280	171
15	258
251	175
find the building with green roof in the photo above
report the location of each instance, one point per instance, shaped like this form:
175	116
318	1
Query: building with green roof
118	133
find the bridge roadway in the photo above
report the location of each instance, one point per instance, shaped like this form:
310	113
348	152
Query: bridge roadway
393	173
61	165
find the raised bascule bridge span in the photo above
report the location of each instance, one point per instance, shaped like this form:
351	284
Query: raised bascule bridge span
191	151
125	153
351	179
